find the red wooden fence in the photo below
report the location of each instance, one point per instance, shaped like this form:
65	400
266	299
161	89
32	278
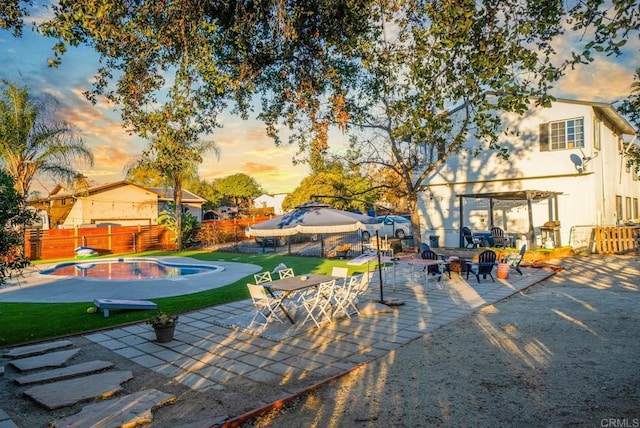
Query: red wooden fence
60	243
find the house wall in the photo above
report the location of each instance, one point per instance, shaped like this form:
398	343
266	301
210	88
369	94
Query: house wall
588	188
270	201
126	205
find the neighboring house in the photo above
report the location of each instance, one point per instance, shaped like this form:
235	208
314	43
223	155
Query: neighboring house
571	154
270	201
120	203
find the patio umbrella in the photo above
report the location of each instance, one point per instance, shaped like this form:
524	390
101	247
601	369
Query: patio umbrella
312	217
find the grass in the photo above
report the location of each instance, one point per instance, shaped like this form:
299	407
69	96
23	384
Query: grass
22	323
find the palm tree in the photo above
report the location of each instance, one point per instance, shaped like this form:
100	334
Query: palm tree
174	156
33	142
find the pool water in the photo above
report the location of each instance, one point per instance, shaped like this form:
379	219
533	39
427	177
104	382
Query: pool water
123	269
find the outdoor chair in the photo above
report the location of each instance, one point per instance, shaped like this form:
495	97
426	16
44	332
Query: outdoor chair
513	260
265	305
286	273
499	240
435	270
318	303
484	266
470	241
262	277
341	273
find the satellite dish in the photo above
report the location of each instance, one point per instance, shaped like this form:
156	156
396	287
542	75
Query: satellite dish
578	162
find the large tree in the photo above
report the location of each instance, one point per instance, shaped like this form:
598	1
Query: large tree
336	184
12	13
174	157
33	141
440	74
239	188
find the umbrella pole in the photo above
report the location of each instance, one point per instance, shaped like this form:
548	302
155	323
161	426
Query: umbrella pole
379	266
393	302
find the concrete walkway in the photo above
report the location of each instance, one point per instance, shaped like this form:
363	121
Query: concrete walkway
206	356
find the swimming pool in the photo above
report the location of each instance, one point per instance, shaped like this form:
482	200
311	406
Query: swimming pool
128	269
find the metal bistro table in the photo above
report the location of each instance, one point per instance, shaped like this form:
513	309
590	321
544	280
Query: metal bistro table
293	284
413	262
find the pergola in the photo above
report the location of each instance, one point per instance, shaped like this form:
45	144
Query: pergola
518	195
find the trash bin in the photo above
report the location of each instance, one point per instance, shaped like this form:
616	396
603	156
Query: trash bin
433	241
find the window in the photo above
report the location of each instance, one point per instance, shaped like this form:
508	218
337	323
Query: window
635	208
596	134
628	207
619	207
567	134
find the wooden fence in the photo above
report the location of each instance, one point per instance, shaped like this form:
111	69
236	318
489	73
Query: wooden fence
60	243
616	240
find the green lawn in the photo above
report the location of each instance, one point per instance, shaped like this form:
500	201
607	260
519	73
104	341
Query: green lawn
22	323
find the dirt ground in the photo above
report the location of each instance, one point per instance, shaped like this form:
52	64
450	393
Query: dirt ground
562	353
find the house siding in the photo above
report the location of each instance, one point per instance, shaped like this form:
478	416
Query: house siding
588	189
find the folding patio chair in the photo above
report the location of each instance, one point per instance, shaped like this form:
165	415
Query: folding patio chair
318	304
341	275
286	273
262	277
265	305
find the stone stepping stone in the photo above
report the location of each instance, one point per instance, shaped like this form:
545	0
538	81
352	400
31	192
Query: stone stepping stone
5	420
63	393
40	348
65	372
52	359
128	411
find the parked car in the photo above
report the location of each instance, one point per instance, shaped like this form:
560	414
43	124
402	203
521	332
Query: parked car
392	226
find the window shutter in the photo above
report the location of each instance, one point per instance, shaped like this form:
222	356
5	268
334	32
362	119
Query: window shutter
544	137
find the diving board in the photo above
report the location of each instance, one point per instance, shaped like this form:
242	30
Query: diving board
106	304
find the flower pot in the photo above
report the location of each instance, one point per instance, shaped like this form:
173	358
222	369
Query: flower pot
164	334
503	271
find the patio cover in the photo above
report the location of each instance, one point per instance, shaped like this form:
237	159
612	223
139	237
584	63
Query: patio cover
312	217
517	195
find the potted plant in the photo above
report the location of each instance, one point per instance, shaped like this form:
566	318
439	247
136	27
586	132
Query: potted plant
164	326
343	250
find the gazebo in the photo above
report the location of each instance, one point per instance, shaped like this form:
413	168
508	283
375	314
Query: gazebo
530	196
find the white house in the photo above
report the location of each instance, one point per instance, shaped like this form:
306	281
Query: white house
571	155
270	201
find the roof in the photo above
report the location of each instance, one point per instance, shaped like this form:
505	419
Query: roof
516	195
167	193
604	109
163	193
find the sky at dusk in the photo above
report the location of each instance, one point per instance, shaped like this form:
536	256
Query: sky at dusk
244	146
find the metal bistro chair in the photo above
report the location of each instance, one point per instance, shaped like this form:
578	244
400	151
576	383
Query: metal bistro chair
318	304
341	274
265	305
484	266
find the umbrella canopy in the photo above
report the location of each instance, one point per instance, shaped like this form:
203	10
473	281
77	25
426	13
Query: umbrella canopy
312	217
